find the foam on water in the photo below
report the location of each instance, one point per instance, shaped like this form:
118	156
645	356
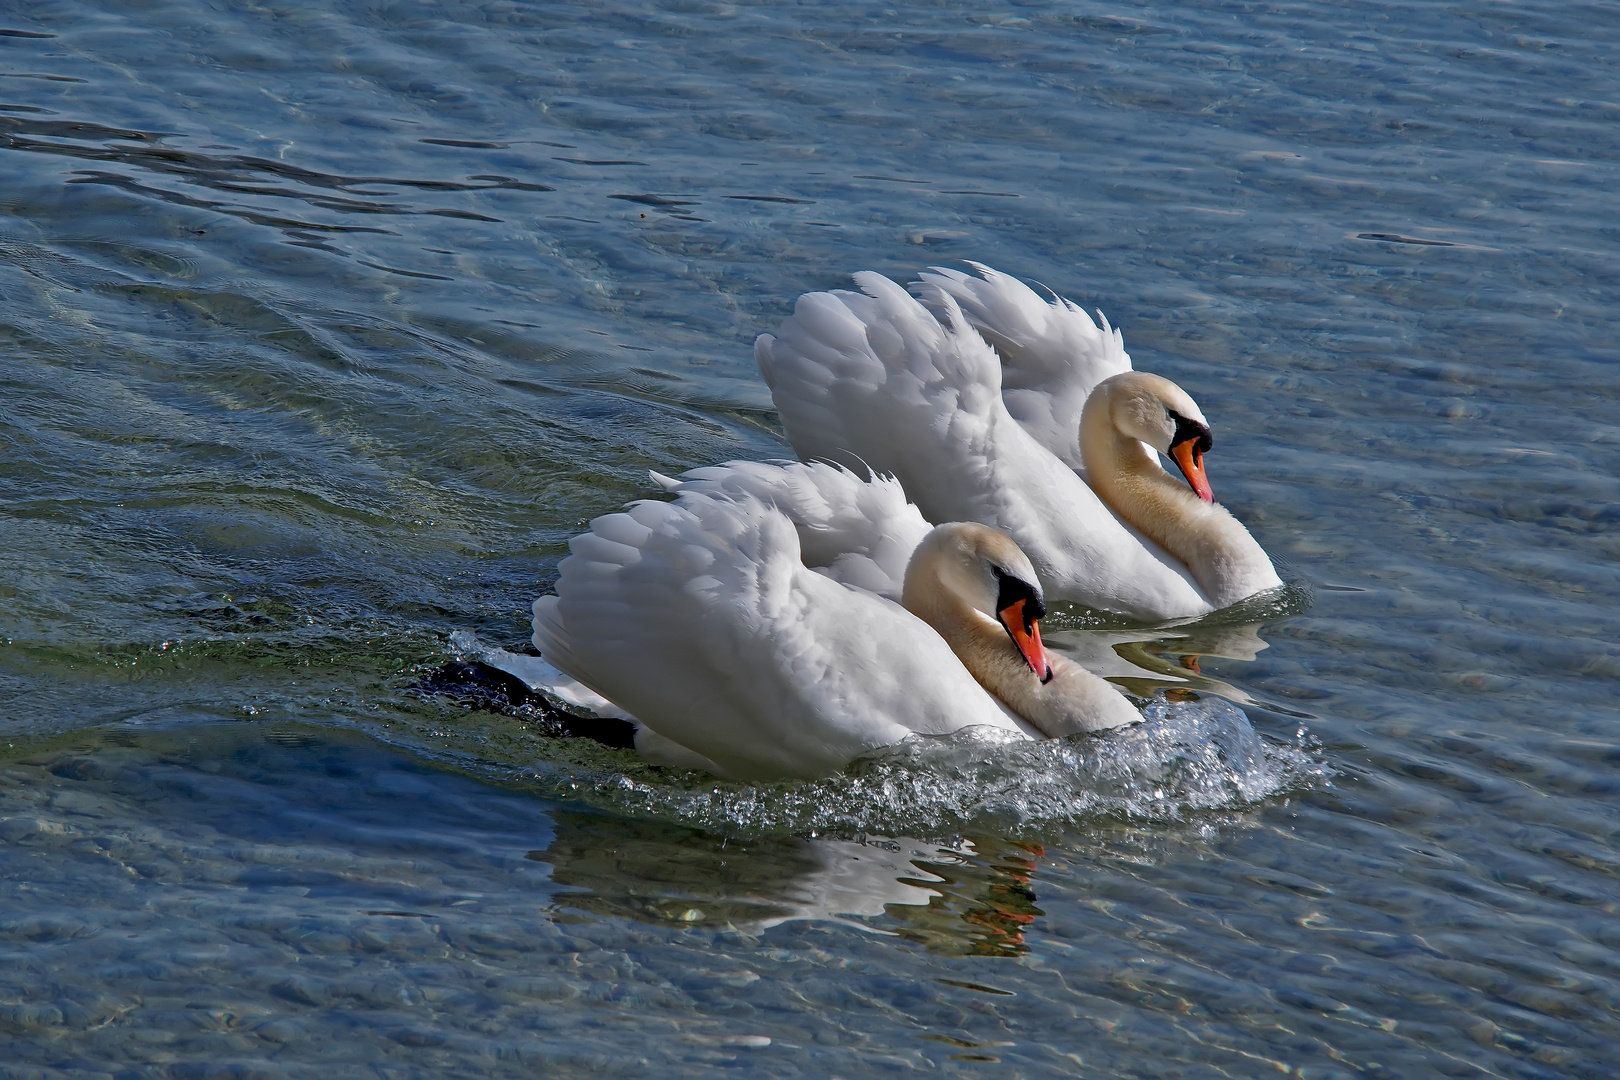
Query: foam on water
1195	753
1184	758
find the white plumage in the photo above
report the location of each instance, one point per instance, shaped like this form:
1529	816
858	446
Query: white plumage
699	619
754	628
861	533
1052	354
877	379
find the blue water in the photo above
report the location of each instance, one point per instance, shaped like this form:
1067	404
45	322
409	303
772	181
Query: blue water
323	327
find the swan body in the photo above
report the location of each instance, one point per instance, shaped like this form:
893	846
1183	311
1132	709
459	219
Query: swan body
878	378
699	620
866	534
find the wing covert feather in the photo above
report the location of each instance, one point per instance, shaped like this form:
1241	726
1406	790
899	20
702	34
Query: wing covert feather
859	532
872	378
1052	353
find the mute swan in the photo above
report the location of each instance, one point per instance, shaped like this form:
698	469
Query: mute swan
699	620
874	378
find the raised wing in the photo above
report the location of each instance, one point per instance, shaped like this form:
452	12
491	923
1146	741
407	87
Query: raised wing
874	379
871	379
698	617
1052	354
859	532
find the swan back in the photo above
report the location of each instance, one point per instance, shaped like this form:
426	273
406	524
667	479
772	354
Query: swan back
871	379
859	532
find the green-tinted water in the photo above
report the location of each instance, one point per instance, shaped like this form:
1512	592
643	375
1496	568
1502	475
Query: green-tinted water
324	327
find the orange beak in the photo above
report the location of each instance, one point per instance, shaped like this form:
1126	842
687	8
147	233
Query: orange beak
1026	634
1191	461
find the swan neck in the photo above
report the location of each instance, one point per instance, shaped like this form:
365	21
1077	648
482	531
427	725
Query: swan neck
1126	475
1074	700
1216	549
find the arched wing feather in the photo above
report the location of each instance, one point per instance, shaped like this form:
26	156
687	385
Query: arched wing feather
874	379
1052	353
859	532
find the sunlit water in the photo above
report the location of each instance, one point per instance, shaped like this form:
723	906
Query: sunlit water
323	327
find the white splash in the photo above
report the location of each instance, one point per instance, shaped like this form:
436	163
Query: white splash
1185	757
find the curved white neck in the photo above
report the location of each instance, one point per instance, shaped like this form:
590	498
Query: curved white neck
1226	561
1074	700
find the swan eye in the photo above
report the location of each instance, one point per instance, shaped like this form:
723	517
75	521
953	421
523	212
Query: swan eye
1189	430
1010	589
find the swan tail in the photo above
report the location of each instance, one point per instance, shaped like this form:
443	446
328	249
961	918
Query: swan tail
540	673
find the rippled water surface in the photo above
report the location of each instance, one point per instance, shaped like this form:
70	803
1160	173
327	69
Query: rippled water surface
323	327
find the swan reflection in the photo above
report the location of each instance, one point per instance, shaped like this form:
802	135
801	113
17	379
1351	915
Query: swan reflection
972	896
1145	663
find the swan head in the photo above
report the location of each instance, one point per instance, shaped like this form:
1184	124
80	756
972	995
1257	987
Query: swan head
962	563
1156	411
